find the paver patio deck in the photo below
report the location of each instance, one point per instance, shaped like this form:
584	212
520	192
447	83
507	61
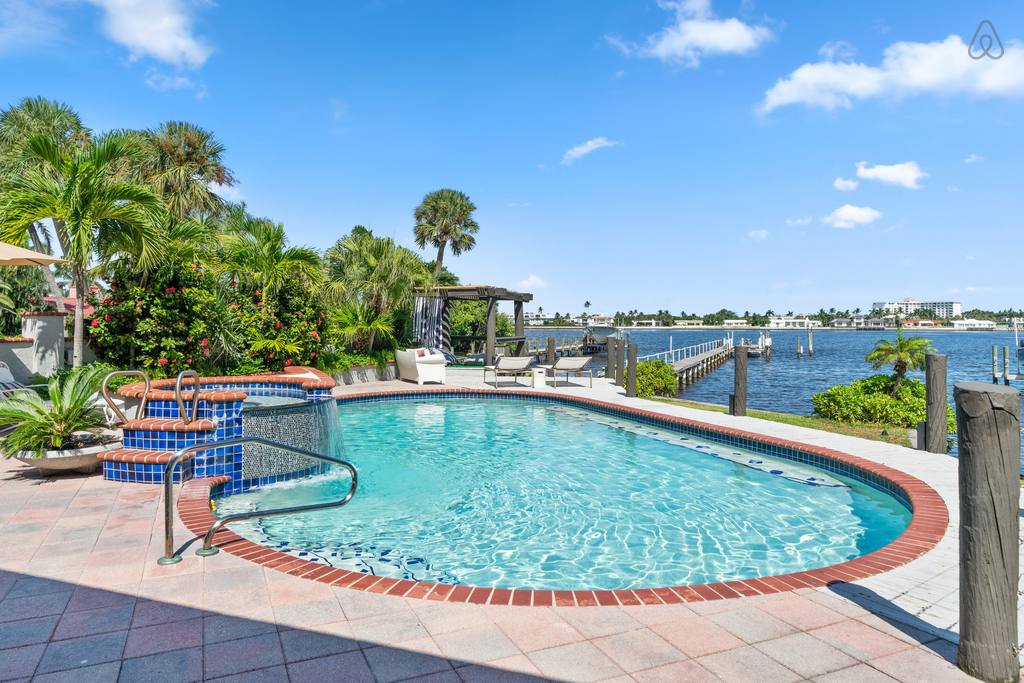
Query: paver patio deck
82	598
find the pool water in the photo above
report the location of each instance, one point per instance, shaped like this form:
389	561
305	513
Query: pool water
529	495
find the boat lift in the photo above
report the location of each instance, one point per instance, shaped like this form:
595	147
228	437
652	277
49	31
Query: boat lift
1007	376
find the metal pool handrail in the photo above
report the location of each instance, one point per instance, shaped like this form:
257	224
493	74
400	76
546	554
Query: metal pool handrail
171	557
105	393
195	395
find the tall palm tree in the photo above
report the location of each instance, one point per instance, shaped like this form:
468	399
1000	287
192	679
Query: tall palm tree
78	188
902	353
38	116
181	161
255	251
445	219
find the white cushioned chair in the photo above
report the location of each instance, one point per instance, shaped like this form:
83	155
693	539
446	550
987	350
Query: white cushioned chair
419	365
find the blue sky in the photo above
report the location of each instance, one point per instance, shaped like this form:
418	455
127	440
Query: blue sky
680	155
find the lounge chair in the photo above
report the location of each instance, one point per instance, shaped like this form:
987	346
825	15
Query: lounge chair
419	365
509	365
576	365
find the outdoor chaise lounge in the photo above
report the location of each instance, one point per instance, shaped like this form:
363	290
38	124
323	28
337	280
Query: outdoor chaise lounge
420	365
576	365
508	365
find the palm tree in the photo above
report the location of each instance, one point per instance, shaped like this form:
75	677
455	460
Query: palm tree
361	324
181	162
38	116
445	218
902	353
89	205
374	271
255	251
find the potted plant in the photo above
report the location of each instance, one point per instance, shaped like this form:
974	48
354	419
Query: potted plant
64	433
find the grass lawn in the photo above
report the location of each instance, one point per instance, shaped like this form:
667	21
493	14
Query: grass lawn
876	432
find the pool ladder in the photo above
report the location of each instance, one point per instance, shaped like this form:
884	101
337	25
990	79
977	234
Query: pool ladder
186	417
172	556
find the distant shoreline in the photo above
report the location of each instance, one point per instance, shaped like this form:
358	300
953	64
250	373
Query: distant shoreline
748	328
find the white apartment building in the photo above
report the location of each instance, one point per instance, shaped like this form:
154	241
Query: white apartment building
943	309
736	322
785	322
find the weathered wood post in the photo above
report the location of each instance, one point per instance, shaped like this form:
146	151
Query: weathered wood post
520	327
631	372
799	347
610	370
988	432
995	364
738	399
936	434
490	338
551	350
1006	365
810	342
620	362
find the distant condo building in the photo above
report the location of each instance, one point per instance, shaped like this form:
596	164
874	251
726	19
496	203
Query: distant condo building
943	309
736	322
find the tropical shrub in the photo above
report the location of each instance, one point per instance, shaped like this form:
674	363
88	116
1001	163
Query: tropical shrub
655	378
60	424
880	399
469	318
902	353
175	321
280	329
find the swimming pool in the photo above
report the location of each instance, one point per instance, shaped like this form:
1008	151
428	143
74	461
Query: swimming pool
543	495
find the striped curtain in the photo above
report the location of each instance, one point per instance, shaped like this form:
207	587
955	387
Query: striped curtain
430	325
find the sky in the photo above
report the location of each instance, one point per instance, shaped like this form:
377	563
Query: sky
652	155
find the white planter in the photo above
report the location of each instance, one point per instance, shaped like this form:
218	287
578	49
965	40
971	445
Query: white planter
82	460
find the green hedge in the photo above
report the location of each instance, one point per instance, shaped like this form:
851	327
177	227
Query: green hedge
873	400
655	378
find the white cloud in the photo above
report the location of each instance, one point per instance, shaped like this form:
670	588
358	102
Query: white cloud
533	282
161	82
907	68
758	235
844	185
973	158
592	145
24	23
908	174
836	49
229	193
695	34
161	29
802	220
850	216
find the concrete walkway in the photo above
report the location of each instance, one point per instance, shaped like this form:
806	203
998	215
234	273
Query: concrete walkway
82	598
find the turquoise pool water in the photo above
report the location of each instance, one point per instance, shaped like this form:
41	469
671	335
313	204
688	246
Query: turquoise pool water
518	494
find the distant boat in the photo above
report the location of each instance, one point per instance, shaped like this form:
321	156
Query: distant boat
599	334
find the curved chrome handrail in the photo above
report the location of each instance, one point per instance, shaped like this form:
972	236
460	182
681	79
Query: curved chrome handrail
171	557
195	395
105	393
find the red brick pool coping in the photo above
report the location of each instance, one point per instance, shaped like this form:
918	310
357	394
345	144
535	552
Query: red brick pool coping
927	526
163	389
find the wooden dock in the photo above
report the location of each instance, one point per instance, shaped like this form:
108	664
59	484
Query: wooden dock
690	363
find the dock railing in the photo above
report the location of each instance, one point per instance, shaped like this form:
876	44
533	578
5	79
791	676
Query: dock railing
673	356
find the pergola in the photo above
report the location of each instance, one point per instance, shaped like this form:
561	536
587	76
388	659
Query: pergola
492	295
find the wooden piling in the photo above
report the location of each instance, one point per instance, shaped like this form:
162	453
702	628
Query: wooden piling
620	363
631	371
810	343
988	432
551	350
738	399
995	364
1006	365
936	435
612	355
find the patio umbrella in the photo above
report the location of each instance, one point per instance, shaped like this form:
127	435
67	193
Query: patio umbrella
11	255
